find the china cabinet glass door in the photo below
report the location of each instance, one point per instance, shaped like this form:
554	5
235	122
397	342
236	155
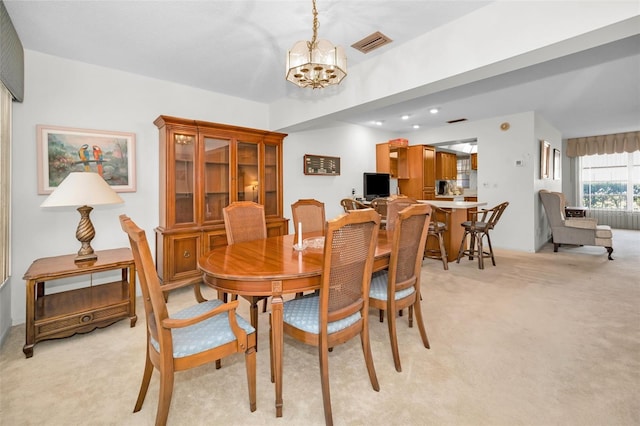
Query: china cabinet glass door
216	178
271	180
184	152
247	174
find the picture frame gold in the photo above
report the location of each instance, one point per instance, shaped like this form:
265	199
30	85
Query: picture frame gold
545	159
62	150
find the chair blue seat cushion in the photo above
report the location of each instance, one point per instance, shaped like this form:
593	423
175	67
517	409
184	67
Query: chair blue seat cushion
303	313
205	335
379	283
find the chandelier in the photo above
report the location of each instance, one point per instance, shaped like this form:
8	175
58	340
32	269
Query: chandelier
316	63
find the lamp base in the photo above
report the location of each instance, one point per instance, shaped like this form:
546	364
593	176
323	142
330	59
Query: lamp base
85	234
85	258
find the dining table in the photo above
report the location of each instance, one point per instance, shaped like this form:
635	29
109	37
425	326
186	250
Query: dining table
275	267
459	213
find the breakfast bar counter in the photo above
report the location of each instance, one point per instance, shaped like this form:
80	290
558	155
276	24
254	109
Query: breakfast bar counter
453	234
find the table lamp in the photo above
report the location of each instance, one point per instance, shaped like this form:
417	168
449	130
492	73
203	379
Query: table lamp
83	189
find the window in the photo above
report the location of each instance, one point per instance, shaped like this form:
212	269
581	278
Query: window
611	181
463	170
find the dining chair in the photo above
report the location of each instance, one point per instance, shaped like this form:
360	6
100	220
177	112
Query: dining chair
340	312
245	221
398	287
437	227
310	213
393	207
380	205
202	333
477	230
351	204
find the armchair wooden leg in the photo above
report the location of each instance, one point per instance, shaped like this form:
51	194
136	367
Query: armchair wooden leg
324	379
391	324
164	401
609	252
144	386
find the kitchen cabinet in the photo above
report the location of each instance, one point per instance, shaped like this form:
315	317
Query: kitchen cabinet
203	168
446	166
474	161
421	184
391	157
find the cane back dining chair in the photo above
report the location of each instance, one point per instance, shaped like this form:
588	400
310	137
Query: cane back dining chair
477	229
351	204
340	311
380	205
393	207
310	213
245	221
437	227
199	334
398	287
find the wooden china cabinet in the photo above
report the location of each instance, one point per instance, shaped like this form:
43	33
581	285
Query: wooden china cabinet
203	168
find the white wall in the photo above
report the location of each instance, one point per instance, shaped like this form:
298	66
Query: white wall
355	145
544	131
67	93
499	179
503	36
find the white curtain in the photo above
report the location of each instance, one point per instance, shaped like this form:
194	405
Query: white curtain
5	181
604	144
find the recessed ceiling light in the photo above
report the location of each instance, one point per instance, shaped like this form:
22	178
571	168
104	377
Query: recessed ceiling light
405	117
434	110
416	126
378	123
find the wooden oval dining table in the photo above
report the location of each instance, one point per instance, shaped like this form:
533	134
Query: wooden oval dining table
273	267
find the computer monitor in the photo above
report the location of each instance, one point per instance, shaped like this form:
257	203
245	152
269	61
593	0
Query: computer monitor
375	185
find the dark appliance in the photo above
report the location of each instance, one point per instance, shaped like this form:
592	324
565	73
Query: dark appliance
375	185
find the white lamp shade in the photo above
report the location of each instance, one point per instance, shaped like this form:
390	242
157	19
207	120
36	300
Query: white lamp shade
82	189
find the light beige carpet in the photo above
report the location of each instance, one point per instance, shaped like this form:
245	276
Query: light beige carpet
540	339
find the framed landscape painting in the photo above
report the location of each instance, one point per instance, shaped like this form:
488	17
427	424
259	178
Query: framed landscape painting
63	150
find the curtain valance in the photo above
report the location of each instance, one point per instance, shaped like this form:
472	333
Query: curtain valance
605	144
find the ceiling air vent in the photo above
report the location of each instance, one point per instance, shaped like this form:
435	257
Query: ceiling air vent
371	42
456	121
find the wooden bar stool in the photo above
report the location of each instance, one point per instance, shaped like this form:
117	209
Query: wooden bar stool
477	230
437	227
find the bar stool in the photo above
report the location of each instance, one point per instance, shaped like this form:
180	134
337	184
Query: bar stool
477	230
437	227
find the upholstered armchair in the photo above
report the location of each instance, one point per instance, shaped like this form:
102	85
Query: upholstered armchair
579	230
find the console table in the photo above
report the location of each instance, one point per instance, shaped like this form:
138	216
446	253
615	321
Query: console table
51	316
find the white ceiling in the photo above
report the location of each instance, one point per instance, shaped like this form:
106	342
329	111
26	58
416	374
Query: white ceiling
238	48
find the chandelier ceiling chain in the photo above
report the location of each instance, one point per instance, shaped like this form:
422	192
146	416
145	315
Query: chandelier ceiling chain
316	24
316	63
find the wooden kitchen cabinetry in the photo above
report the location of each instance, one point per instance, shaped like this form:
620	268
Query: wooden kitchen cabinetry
474	161
446	166
203	168
421	184
391	157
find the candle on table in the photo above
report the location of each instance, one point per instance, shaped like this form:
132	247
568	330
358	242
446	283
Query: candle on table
300	234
